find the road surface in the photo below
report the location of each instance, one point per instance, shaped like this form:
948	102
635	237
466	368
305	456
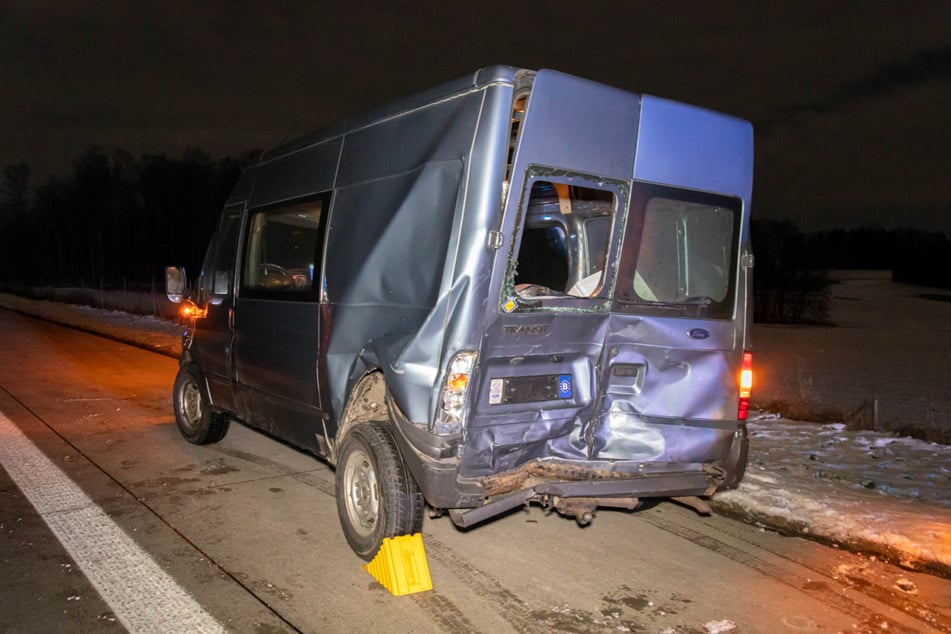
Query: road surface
243	535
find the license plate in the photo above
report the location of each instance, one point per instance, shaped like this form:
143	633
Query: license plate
530	389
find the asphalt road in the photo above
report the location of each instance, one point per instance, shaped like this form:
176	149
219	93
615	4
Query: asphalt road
244	534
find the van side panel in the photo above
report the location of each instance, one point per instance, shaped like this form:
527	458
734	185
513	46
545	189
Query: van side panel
461	313
307	171
439	132
398	192
399	107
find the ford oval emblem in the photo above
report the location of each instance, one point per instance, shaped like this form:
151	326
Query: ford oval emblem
697	333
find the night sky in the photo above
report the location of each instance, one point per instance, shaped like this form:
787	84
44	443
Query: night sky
851	101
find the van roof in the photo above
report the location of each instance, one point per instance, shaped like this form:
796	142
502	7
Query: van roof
498	74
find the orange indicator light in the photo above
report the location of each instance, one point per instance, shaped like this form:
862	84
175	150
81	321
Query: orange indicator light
457	382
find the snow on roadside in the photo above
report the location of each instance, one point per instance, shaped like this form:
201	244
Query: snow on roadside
144	331
865	490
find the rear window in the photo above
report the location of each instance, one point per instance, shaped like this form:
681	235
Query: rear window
563	250
679	255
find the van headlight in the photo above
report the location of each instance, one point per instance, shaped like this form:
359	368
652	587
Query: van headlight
452	400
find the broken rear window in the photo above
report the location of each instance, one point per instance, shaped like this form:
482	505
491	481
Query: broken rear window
565	241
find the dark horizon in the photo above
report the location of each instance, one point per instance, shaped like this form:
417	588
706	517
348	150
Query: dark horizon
935	218
848	101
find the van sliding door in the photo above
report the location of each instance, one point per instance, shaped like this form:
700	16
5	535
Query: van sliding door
276	318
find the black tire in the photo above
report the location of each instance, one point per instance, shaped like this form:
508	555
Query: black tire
377	496
196	421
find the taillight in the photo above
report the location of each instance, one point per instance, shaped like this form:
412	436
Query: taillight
746	385
452	401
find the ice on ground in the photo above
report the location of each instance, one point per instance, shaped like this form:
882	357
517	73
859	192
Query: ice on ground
866	490
717	627
871	461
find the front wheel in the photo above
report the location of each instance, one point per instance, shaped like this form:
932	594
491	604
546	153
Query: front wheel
197	423
376	494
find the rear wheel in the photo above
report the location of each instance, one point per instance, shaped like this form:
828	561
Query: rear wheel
197	423
376	495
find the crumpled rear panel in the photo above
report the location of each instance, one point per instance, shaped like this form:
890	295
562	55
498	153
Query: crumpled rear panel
642	392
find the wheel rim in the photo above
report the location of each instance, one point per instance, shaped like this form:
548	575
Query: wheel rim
362	491
191	405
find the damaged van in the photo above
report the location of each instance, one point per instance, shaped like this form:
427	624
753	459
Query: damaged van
517	288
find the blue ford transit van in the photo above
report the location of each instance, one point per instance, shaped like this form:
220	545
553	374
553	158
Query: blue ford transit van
519	287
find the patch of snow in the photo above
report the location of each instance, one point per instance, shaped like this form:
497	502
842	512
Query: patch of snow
866	490
145	331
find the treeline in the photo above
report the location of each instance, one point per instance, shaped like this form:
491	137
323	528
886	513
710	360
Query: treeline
790	277
114	220
788	287
912	255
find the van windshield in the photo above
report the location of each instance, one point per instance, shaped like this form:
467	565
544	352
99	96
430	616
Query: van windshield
679	255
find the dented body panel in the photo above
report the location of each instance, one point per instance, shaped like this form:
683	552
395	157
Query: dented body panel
537	280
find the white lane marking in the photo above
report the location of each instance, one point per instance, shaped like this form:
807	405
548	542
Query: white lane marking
141	595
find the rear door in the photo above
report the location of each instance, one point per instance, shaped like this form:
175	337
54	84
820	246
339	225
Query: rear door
569	187
541	356
616	337
673	340
616	340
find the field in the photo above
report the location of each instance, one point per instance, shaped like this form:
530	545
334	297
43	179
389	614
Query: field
884	363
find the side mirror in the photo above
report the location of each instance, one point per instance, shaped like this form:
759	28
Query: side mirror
175	283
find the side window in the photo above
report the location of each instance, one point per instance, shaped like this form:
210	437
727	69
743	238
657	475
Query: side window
565	241
283	249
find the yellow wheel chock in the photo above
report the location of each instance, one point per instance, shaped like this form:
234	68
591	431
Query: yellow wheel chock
401	565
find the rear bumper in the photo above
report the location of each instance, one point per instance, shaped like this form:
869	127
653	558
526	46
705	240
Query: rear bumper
594	492
433	460
734	467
